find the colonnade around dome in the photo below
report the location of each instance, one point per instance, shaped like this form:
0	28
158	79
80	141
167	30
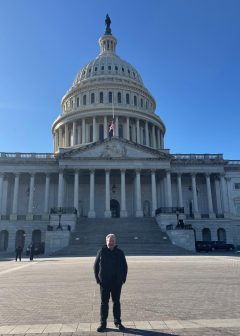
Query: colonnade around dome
92	129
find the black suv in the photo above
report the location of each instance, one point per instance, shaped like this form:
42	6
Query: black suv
38	248
221	245
207	246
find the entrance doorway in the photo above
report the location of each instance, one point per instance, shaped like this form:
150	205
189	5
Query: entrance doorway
115	208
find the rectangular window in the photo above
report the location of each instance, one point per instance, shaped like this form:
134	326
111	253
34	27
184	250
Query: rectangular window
237	186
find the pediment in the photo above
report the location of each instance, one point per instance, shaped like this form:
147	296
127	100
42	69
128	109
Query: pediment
114	148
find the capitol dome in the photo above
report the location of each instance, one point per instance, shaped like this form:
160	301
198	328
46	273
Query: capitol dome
108	88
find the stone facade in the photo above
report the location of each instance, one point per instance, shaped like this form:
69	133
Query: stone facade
125	172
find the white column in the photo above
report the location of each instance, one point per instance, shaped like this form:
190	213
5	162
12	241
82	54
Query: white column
180	197
1	192
139	211
158	139
169	189
79	134
46	196
15	197
56	141
123	212
94	129
105	128
60	189
224	196
76	190
60	137
107	212
117	127
83	131
127	129
91	212
147	133
154	136
74	133
31	195
66	136
154	192
195	198
209	197
138	131
218	195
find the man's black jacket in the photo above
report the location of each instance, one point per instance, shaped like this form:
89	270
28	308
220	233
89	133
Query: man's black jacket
109	263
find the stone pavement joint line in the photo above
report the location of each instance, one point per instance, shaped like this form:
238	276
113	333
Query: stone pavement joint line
143	325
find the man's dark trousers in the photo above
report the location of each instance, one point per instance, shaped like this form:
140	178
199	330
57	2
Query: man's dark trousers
114	289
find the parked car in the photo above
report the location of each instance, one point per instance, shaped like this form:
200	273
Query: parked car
221	245
38	248
206	246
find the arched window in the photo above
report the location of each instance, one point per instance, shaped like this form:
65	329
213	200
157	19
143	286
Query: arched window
141	103
119	98
101	97
127	99
135	100
221	234
3	240
110	97
71	103
146	104
77	101
84	100
206	234
92	98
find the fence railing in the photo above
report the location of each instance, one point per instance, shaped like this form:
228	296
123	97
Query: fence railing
169	210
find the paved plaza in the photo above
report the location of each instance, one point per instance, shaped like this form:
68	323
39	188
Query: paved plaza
163	295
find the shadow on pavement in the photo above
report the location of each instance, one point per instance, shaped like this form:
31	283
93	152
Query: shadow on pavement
142	332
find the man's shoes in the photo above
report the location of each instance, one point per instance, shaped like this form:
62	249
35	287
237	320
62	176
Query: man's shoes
101	328
120	326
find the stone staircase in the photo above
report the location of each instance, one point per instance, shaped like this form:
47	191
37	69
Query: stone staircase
136	236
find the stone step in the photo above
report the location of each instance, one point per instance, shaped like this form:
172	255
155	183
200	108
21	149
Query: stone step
136	236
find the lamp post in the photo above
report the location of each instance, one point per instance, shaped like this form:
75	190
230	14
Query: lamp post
177	214
59	216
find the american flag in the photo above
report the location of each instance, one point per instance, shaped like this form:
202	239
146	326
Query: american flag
111	126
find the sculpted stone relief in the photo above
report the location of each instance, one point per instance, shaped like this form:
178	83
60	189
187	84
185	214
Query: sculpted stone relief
114	150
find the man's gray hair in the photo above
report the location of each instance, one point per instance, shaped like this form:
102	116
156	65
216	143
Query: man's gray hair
111	235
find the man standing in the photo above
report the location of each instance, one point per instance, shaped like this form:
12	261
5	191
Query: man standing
19	253
110	269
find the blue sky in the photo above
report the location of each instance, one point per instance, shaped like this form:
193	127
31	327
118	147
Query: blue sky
187	52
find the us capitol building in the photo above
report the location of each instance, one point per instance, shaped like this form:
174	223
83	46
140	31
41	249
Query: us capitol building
109	160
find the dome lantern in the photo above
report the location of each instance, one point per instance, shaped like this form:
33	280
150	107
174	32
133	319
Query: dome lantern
107	42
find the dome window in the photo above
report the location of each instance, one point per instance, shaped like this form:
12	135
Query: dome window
135	100
116	67
119	98
83	72
92	98
102	67
129	71
89	70
95	69
101	97
133	74
84	100
109	67
77	101
127	99
141	103
110	97
146	104
122	69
